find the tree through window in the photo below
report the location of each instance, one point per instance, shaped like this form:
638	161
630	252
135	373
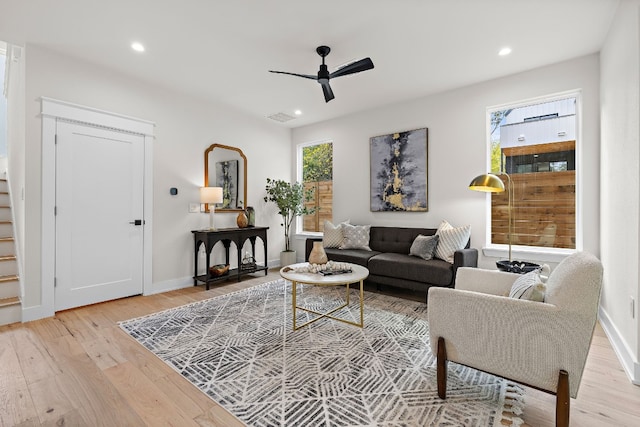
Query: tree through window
317	174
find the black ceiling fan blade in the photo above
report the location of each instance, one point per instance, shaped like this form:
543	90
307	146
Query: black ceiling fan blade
328	93
355	67
306	76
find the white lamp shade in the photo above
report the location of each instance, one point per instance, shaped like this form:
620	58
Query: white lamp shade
211	195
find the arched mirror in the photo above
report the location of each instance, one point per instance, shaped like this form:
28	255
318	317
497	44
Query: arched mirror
226	167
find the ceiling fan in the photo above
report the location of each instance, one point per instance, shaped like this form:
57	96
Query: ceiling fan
324	76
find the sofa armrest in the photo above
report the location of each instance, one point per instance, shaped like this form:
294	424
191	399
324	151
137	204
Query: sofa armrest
492	282
309	246
464	258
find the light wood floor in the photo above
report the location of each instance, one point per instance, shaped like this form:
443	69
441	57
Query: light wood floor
80	369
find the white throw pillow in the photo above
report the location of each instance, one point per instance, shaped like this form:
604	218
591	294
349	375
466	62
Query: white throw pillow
332	237
451	240
529	287
355	237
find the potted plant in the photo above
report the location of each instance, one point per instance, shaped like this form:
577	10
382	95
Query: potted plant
289	198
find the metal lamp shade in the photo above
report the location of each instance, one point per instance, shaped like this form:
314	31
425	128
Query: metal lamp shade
487	182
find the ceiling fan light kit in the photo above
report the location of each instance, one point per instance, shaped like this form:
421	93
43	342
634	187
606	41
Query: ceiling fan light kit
324	75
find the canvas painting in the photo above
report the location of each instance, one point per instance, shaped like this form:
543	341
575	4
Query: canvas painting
227	178
399	171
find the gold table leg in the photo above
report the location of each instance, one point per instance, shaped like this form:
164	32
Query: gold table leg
294	285
329	313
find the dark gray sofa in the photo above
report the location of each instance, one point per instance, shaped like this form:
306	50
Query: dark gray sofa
390	264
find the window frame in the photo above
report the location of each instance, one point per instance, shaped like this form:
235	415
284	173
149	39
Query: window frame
539	253
299	165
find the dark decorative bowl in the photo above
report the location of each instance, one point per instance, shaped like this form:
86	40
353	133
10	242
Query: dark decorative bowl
218	270
520	267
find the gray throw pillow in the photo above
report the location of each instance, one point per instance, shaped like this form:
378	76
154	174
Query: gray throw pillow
424	246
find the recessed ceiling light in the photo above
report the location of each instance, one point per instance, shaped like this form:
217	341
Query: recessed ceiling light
137	47
297	112
504	51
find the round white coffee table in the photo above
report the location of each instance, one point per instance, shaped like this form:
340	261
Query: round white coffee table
358	274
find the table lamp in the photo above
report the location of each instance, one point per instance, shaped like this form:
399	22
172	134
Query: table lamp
211	196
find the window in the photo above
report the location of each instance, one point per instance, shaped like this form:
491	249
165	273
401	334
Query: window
315	170
535	144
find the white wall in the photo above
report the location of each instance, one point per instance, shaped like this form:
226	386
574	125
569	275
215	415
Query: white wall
185	127
16	145
620	197
457	149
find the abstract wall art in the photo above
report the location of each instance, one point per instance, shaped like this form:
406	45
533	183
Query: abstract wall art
227	178
399	171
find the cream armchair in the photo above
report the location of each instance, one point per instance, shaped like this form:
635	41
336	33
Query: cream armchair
542	345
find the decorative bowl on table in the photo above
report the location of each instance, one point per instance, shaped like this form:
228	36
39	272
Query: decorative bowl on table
219	270
520	267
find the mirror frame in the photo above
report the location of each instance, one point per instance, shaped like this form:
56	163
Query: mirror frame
206	175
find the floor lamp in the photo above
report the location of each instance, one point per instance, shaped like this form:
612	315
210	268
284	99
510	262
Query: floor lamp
491	183
211	196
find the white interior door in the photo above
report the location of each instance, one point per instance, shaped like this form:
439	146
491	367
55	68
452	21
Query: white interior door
99	199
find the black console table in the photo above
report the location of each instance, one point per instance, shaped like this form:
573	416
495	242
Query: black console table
238	236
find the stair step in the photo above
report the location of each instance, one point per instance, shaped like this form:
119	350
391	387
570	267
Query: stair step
6	302
9	278
9	286
6	239
7	258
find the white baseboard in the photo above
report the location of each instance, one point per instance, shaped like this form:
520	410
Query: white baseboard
625	355
36	312
170	285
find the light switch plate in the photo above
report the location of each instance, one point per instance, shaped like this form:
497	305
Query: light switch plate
194	207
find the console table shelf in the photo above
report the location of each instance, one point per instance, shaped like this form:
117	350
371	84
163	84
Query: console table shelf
238	236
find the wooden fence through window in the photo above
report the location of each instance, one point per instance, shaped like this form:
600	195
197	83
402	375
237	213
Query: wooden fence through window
323	202
544	210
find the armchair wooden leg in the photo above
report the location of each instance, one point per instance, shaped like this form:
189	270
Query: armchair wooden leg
563	400
441	368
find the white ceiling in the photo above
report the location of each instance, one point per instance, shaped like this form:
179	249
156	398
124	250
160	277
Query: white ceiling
221	49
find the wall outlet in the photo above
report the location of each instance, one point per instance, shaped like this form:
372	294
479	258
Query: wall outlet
194	207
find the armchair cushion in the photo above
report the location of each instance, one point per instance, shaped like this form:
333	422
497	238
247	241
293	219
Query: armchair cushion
528	286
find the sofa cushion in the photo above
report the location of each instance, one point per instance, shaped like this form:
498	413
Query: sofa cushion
404	266
424	246
451	240
355	237
332	236
354	256
396	239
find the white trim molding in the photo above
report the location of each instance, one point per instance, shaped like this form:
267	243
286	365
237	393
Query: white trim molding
625	355
53	110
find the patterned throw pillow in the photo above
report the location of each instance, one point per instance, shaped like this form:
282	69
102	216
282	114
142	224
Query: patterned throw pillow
424	246
332	237
529	287
355	237
451	240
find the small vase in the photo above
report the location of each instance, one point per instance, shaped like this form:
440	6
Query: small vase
251	216
242	220
318	255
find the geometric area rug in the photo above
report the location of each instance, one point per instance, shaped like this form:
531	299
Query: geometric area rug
241	351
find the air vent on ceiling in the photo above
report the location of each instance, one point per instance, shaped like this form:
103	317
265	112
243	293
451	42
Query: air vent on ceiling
281	117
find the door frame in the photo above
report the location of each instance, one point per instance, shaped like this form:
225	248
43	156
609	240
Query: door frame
51	111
